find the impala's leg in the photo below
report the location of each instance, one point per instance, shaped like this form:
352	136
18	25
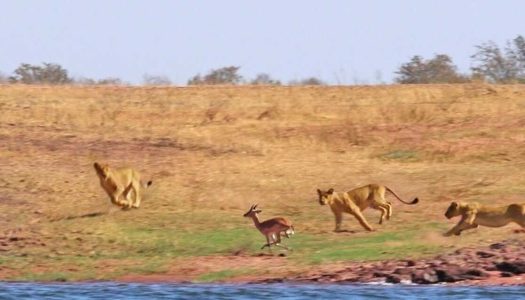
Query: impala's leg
278	240
267	243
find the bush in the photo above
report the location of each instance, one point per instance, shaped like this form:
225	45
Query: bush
225	75
155	80
307	81
439	69
48	73
264	79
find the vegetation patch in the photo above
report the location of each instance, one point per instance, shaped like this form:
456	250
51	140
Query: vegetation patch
402	155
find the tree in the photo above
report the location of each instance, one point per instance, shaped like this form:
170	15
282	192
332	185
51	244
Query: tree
307	81
48	73
156	80
225	75
439	69
264	79
500	66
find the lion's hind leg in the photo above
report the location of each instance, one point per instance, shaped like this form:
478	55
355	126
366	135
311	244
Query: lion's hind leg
384	213
388	206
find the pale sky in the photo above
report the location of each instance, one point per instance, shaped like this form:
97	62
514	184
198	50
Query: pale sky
341	42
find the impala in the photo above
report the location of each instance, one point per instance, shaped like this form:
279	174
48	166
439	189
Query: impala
271	228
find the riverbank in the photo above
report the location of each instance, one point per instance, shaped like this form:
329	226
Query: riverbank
500	263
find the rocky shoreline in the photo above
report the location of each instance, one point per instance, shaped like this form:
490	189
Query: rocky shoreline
500	263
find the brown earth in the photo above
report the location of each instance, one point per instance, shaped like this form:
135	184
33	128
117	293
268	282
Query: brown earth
214	151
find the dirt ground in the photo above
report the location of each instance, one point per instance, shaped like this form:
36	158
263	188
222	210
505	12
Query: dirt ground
214	151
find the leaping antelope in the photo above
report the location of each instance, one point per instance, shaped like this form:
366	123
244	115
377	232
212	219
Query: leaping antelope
271	228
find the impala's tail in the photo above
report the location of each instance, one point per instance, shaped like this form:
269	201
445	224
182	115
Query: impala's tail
291	230
416	200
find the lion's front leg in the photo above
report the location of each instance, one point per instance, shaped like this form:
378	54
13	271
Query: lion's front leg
136	190
127	196
461	226
359	216
115	196
338	220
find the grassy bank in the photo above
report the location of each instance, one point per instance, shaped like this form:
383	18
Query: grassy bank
214	151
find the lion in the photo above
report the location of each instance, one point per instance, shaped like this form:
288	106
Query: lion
355	201
118	184
474	214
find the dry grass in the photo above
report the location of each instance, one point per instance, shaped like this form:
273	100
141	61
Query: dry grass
213	151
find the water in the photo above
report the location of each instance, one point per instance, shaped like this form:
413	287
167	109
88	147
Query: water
107	290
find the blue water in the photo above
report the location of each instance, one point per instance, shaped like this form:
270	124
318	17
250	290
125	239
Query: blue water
250	291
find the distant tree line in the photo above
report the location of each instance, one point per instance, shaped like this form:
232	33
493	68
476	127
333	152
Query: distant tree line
54	74
230	76
51	73
490	63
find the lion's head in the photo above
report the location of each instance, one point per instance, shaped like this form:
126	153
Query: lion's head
102	170
453	210
325	197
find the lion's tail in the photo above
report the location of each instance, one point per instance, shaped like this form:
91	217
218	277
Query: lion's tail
416	200
146	184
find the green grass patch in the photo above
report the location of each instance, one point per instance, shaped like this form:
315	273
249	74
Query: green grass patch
142	241
58	276
402	155
384	245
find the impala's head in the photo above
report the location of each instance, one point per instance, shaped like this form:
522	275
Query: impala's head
253	211
453	210
325	197
102	170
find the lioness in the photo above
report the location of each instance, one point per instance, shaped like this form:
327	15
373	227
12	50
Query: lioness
474	214
118	184
357	200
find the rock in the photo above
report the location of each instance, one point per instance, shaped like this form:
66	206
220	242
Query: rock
393	279
515	267
497	246
485	254
380	274
403	271
424	277
477	273
456	273
490	268
411	263
272	280
506	274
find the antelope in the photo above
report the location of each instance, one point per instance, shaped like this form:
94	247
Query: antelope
271	228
